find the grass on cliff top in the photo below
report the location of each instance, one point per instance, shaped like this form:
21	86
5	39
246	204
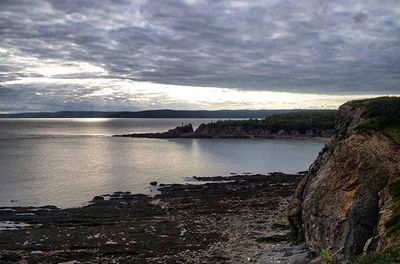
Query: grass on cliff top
393	224
377	258
302	121
382	113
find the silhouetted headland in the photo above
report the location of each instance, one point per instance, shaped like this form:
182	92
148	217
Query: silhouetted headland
302	124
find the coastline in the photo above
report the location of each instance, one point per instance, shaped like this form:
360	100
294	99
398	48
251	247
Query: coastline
232	219
233	132
162	136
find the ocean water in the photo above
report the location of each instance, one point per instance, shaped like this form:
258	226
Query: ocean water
65	162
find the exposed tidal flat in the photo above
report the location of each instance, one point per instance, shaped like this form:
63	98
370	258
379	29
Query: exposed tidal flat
236	219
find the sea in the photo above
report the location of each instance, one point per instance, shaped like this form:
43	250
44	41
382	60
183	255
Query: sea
67	161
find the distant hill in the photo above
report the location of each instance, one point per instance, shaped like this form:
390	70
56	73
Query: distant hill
165	113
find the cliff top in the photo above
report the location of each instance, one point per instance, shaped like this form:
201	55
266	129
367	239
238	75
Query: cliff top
349	202
379	114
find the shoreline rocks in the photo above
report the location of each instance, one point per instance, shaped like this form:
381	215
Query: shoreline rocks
186	131
219	221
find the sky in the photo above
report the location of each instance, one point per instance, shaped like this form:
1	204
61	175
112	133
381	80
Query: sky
196	54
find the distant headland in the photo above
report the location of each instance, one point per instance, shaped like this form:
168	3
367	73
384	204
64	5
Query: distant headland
301	124
162	113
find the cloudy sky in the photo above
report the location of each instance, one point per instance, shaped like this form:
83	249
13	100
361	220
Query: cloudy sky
196	54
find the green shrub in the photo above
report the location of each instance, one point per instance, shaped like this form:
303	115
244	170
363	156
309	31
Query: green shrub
393	224
393	132
377	258
325	255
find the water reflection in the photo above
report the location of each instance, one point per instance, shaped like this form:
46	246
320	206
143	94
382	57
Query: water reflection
67	171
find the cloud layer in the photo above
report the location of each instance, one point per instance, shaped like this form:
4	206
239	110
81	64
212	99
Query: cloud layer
323	47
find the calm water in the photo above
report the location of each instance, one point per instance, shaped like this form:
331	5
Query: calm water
66	162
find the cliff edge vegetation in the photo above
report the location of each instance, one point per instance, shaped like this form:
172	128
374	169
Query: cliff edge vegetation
380	114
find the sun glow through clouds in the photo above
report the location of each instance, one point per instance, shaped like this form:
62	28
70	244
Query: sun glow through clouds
50	67
196	54
165	95
81	67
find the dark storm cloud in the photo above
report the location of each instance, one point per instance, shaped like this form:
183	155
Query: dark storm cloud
317	46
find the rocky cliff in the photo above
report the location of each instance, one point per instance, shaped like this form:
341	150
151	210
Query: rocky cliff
349	202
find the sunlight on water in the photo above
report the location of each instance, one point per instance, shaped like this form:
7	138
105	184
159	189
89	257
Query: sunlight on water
70	170
85	120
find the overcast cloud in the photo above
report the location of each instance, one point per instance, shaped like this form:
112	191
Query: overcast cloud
120	54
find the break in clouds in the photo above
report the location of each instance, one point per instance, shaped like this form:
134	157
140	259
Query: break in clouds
120	55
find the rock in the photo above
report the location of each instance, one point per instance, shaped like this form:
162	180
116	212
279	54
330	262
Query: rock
153	183
274	238
327	133
98	198
280	226
344	203
186	130
10	258
283	133
184	223
286	253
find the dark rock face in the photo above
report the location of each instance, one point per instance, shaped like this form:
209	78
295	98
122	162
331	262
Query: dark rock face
343	202
178	132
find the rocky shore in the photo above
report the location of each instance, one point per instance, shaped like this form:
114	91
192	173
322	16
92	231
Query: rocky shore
236	219
205	131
